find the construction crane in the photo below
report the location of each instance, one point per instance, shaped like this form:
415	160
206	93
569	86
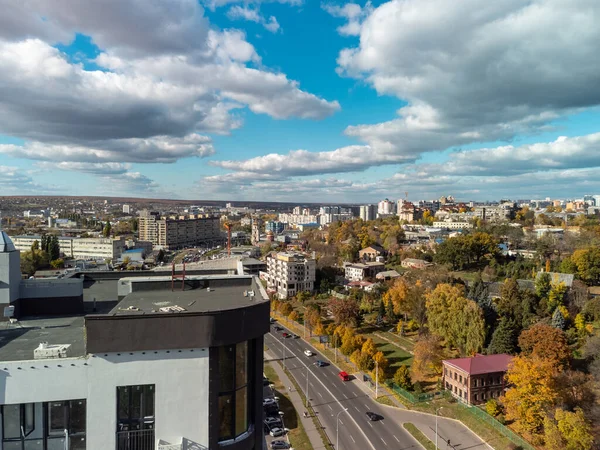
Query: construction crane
227	226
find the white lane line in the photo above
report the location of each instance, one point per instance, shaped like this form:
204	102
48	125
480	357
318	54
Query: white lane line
354	440
396	437
366	405
335	398
345	396
357	409
384	443
311	385
320	394
341	422
370	424
330	407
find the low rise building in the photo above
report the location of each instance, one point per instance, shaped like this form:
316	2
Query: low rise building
452	225
476	379
371	252
79	248
290	273
413	263
361	271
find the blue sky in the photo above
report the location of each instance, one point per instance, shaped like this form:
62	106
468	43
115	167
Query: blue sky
301	100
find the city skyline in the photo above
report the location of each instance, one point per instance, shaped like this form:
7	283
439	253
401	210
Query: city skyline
294	101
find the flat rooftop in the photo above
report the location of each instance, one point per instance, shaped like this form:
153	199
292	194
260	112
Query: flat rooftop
18	341
192	300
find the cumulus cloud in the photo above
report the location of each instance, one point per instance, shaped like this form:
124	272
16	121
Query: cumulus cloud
165	76
245	12
352	12
15	181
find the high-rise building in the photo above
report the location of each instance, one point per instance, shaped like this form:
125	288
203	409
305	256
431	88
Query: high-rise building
179	232
368	212
158	367
126	209
385	208
256	227
290	273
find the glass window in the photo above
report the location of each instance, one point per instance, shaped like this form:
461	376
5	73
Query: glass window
57	418
225	417
241	364
77	416
29	418
226	367
12	421
241	411
135	407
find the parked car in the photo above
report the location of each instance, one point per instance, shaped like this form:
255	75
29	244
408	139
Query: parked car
266	381
344	376
373	416
276	445
269	401
285	335
308	353
321	363
273	422
276	432
277	328
272	320
295	336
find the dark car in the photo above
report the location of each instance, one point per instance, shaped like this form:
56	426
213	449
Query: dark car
277	328
276	445
273	422
266	381
373	417
321	363
295	336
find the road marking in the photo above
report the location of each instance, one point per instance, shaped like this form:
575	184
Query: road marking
334	397
345	396
356	408
341	422
330	407
320	394
366	405
370	424
352	438
383	441
311	385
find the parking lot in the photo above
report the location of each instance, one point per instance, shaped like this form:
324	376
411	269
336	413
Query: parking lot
272	418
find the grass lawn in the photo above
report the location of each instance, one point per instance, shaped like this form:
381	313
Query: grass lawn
395	355
402	341
419	436
297	434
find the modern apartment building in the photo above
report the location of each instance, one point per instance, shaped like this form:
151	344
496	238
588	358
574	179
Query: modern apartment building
368	212
360	271
290	273
476	379
161	369
79	248
179	231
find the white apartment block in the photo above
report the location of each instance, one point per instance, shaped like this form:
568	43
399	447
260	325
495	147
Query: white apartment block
294	219
78	248
451	225
360	271
368	212
290	273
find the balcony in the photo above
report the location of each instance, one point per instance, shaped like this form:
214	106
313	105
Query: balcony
135	440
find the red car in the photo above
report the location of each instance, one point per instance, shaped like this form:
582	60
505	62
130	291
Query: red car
285	335
344	376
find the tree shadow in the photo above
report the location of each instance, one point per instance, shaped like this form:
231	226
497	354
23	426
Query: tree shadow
290	415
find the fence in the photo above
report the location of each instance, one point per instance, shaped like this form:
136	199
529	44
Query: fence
502	429
413	398
135	440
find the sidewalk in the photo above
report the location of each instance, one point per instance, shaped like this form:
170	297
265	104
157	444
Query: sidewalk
307	422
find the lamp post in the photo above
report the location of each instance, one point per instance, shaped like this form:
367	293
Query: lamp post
376	379
337	428
283	347
436	427
283	426
306	392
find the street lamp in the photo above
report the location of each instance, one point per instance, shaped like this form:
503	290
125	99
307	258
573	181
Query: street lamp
283	426
337	427
436	427
283	347
376	379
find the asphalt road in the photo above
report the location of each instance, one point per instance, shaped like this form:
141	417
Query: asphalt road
329	395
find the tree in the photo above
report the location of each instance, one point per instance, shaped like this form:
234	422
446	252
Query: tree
558	319
348	342
532	393
160	257
546	342
428	356
57	263
543	284
587	262
381	367
553	440
575	429
509	303
456	319
391	316
106	230
397	295
556	296
363	361
505	337
369	348
293	316
402	378
493	407
285	309
345	311
303	296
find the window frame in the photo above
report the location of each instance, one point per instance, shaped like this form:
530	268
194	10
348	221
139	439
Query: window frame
145	422
23	430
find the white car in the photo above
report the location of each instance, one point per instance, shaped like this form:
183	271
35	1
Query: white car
276	432
269	401
308	353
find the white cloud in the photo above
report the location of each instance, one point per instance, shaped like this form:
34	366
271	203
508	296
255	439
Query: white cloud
165	77
352	12
213	4
158	149
15	181
250	14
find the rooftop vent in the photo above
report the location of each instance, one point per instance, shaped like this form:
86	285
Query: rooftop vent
46	351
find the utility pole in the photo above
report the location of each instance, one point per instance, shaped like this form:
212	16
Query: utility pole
306	392
335	346
376	379
283	347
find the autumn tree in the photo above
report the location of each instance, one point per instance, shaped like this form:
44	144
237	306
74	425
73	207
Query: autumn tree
428	356
363	361
402	377
285	309
348	342
556	296
545	342
369	348
543	284
345	311
381	367
293	316
533	392
397	295
456	319
587	262
569	430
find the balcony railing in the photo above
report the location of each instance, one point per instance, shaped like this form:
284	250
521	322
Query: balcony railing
135	440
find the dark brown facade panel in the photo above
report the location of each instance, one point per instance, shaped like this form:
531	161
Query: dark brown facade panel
118	333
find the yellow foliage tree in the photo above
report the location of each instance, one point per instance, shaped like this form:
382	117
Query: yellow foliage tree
575	429
533	392
382	365
369	348
294	316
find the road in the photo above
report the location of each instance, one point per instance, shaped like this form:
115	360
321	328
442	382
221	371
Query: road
329	395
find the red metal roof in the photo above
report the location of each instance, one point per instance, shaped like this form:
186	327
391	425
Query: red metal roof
480	364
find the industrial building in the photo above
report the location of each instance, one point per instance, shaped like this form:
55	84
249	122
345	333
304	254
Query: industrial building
289	273
154	365
176	232
78	248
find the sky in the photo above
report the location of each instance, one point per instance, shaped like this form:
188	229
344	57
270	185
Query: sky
300	100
